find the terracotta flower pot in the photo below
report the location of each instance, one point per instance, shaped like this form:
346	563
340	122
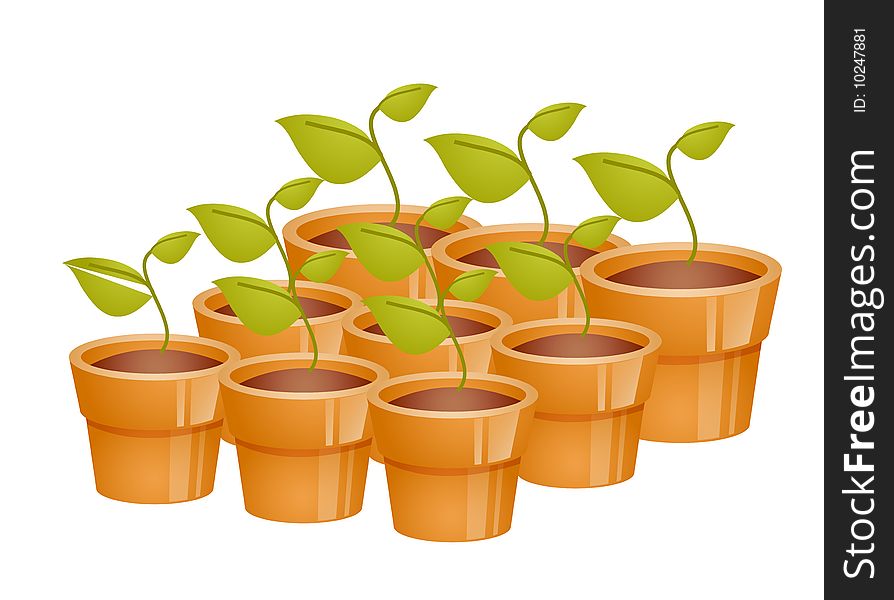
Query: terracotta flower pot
711	336
589	409
448	252
376	347
299	233
452	474
302	455
154	437
230	330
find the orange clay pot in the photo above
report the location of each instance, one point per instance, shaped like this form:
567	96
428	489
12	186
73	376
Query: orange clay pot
302	456
447	251
153	437
377	348
352	274
452	475
230	330
586	428
711	337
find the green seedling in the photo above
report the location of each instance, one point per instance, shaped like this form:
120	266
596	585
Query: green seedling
637	190
242	236
340	152
99	278
488	171
391	255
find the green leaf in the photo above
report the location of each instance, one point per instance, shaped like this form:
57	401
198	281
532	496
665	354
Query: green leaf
412	326
297	193
173	247
703	140
485	170
444	213
238	234
405	102
470	285
111	298
537	273
334	149
554	121
105	266
593	232
635	190
320	267
262	306
388	253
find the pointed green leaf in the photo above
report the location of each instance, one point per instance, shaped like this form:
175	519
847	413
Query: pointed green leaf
238	234
635	190
485	170
105	266
405	102
444	213
412	326
173	247
297	193
552	122
320	267
593	232
470	285
262	306
334	149
537	273
111	298
388	253
703	140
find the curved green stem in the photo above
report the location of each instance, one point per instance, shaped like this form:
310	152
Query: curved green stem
459	352
372	135
524	162
310	330
580	290
428	265
673	182
164	319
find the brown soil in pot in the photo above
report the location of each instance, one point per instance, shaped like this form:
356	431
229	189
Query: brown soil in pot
576	254
575	345
461	327
427	235
678	275
454	400
312	307
305	380
155	361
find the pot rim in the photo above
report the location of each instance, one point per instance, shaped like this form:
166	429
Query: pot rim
439	248
290	229
77	360
530	395
361	309
199	303
653	345
226	375
588	270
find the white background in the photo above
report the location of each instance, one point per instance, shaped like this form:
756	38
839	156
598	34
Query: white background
115	119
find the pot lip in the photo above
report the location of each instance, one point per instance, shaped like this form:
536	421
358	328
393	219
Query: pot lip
226	379
290	229
361	309
530	395
199	306
77	360
652	347
439	248
588	270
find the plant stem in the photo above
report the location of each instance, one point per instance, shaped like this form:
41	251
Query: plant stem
459	351
164	320
372	135
580	290
310	330
524	162
673	182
